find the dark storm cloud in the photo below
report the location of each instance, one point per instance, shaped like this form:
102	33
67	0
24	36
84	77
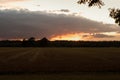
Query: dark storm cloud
61	10
102	36
64	10
98	35
24	23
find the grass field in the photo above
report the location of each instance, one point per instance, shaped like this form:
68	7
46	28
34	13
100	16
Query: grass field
60	63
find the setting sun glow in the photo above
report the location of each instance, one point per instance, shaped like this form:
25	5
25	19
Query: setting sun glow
69	37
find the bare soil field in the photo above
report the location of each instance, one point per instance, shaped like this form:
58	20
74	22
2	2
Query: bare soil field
59	63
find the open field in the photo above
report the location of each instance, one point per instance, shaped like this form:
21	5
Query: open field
60	63
62	77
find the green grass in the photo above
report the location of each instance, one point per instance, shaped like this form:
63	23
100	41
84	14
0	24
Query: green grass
68	63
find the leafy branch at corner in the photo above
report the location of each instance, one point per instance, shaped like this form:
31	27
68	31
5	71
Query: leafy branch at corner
114	13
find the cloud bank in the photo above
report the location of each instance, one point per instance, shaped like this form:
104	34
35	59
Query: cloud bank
8	1
24	24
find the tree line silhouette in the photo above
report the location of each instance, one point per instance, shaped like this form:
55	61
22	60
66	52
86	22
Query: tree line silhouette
44	42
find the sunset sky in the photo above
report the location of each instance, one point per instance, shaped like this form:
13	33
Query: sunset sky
57	20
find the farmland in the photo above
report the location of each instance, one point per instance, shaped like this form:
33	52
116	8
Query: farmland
62	63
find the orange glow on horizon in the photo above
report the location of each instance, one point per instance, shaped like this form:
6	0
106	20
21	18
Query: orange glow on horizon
68	37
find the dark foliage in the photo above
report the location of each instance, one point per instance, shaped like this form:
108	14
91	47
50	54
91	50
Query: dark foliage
29	43
7	43
32	39
90	3
114	13
44	42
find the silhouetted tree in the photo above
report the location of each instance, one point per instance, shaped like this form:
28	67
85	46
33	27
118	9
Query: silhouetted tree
24	43
114	13
32	39
98	3
29	43
44	42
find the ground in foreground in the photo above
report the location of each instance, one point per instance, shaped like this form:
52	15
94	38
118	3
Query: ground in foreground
90	63
109	76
